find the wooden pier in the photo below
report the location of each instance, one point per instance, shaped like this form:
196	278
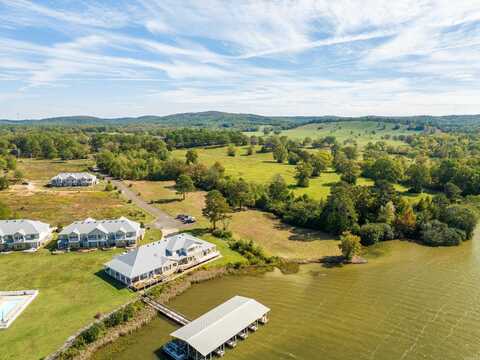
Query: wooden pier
165	311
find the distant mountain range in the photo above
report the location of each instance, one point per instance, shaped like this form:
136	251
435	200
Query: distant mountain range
227	120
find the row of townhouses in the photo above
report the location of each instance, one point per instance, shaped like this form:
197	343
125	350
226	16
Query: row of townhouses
159	260
73	179
30	234
145	264
100	233
23	234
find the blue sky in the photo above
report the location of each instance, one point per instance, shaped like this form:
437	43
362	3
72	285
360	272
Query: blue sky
134	57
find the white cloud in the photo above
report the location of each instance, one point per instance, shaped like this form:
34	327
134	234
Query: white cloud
344	57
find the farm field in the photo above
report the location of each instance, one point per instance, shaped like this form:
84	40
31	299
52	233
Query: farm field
263	228
362	132
260	168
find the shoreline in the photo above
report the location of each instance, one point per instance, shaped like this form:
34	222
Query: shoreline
166	292
144	316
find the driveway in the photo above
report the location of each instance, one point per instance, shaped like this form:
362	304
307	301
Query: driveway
162	221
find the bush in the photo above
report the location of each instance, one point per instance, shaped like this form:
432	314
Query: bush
436	233
114	319
224	234
372	233
109	187
462	218
92	333
254	254
350	245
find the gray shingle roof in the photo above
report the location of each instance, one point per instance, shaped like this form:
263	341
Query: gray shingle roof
76	175
214	328
142	260
152	256
106	226
10	227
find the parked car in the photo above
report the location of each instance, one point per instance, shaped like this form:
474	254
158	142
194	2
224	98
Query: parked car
186	219
189	220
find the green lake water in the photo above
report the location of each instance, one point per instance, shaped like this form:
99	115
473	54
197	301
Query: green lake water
411	302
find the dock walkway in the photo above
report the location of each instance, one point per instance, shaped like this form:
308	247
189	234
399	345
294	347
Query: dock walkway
169	313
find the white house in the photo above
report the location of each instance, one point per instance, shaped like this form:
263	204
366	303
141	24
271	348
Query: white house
23	234
91	233
73	179
158	260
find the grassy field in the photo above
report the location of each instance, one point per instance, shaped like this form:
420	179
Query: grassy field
264	229
360	131
46	169
261	168
71	292
62	208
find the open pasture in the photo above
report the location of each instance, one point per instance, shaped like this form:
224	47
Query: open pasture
362	132
261	168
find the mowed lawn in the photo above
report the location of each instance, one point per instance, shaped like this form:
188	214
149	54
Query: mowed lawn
263	228
362	132
71	292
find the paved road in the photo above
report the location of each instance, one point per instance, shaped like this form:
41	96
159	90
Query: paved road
162	221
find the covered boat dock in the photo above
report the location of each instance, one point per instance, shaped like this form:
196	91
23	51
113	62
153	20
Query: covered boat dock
209	334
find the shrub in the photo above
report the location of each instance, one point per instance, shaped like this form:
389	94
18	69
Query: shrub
114	319
224	234
92	333
350	245
436	233
254	254
461	217
372	233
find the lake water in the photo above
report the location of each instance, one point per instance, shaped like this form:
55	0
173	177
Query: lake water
412	302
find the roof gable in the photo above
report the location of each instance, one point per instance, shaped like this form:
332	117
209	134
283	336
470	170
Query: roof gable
105	226
10	227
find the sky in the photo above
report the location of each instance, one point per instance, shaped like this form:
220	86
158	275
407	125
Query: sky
114	58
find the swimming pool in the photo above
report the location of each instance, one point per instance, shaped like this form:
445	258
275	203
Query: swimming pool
12	304
7	306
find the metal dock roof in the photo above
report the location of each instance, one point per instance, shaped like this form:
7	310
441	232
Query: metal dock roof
214	328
